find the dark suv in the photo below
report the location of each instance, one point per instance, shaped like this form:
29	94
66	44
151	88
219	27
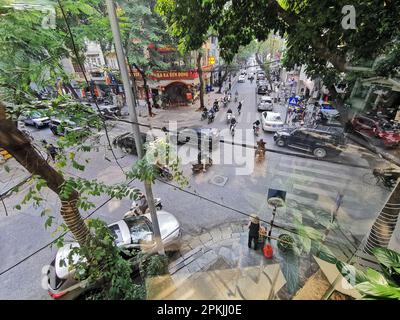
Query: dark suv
319	140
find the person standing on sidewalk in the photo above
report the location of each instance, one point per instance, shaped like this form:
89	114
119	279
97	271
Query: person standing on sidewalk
254	228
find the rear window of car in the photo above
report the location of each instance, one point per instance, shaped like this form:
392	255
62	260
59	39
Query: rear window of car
273	117
138	228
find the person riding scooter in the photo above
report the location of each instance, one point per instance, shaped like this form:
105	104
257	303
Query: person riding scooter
233	123
260	151
256	126
229	114
216	105
239	108
211	115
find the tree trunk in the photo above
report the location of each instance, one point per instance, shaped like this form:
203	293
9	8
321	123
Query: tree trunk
384	225
200	73
12	140
69	88
146	88
222	80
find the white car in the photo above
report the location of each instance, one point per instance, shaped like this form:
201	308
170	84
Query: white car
133	233
265	104
271	121
242	78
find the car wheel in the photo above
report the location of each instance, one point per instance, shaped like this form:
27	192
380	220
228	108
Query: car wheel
280	143
36	126
319	153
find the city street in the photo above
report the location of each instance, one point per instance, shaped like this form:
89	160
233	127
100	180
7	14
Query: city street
233	187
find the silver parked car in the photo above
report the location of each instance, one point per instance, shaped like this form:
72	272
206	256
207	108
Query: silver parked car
36	119
133	233
271	121
265	104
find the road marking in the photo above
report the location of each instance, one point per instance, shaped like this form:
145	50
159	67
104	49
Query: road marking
317	191
333	172
320	181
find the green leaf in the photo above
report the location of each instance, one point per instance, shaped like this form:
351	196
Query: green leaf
48	222
375	277
387	257
378	290
18	207
351	274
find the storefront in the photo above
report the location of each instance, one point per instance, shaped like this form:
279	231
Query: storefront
172	88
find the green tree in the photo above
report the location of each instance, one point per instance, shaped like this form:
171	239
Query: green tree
30	53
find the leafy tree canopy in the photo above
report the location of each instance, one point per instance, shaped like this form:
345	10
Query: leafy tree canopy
313	29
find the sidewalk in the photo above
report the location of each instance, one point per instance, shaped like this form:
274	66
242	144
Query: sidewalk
218	264
184	115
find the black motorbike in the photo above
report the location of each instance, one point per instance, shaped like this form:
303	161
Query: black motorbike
211	117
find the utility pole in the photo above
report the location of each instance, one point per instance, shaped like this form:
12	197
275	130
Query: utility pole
131	102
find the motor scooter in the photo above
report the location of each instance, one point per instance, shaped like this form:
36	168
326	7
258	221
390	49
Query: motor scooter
211	116
135	207
204	115
232	129
260	155
256	130
203	166
228	117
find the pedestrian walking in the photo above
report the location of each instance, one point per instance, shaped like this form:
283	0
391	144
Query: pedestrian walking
254	228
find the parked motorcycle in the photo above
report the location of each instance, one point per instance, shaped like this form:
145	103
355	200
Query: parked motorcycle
137	206
164	173
203	166
204	115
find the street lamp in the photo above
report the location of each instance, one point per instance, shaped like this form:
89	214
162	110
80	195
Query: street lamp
276	199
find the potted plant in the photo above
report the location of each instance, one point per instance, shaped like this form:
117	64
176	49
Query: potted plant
285	242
